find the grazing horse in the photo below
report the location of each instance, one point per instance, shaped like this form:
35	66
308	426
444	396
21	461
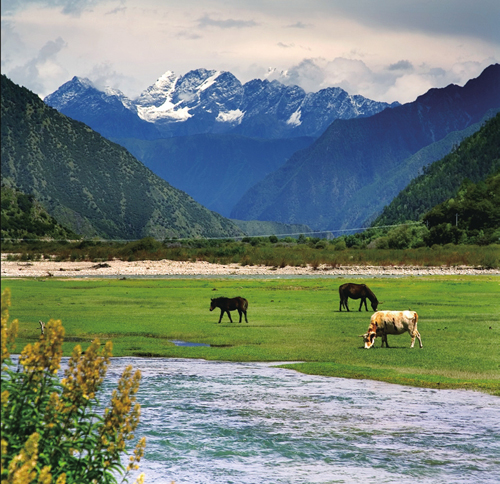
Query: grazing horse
357	291
225	304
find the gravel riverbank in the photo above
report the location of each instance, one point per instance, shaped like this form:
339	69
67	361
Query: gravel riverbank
117	268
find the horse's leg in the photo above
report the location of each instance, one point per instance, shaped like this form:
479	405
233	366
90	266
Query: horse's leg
229	314
346	303
245	313
363	300
221	314
239	312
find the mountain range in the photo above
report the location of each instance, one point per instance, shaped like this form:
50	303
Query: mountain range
88	183
238	165
339	181
209	101
205	132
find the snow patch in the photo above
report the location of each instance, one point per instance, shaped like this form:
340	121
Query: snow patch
208	82
294	119
166	111
235	116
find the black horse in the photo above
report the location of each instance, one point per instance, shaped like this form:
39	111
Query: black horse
356	291
225	304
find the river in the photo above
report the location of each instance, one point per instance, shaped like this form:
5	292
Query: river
253	423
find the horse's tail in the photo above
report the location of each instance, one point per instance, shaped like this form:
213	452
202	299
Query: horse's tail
245	304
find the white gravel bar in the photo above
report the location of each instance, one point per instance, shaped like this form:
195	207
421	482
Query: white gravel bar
168	268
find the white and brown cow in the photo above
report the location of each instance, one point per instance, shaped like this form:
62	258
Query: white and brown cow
383	323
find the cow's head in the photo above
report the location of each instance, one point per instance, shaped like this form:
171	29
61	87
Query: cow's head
369	338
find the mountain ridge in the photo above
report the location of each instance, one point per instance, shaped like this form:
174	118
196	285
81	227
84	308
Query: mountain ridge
89	184
317	185
475	158
209	101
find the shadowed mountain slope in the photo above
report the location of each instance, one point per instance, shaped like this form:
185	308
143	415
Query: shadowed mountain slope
319	184
475	158
89	184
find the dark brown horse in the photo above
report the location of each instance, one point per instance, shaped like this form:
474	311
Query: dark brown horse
357	291
225	304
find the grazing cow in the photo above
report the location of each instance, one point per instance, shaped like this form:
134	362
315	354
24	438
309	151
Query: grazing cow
357	291
225	304
383	323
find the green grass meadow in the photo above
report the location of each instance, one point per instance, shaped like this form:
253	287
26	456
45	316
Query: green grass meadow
290	320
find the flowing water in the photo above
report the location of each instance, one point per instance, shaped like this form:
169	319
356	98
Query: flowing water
252	423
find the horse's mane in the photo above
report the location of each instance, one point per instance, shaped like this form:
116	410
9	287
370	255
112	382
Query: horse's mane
371	295
220	298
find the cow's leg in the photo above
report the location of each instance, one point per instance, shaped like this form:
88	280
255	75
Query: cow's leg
384	339
416	334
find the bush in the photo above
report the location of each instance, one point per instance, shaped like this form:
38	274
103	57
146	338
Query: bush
147	244
321	244
51	432
339	244
444	234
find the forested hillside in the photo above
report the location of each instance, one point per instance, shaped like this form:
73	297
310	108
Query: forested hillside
474	159
472	215
89	184
24	218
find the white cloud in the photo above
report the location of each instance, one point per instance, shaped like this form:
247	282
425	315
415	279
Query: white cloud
400	81
43	67
387	50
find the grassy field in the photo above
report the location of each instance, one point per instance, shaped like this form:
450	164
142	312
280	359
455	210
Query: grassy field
290	320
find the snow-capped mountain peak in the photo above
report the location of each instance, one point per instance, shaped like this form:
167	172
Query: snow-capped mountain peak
204	101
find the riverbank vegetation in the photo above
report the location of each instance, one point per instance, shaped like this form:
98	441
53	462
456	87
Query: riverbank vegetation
290	320
398	247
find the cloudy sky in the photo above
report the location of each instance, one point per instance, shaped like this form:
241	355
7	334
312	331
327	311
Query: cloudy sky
387	50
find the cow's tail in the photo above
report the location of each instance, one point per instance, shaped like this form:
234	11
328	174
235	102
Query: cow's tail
415	319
